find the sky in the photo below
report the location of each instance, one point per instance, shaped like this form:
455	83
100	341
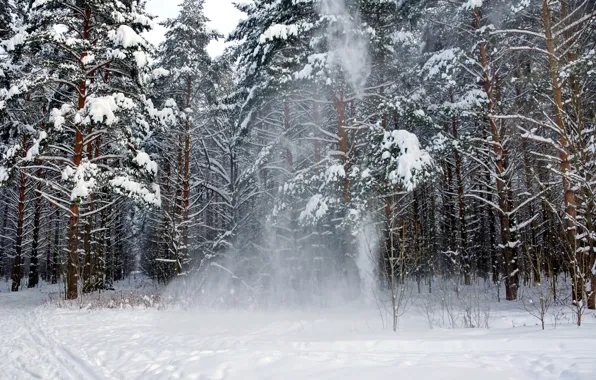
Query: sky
224	18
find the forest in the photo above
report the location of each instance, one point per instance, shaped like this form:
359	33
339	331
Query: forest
334	146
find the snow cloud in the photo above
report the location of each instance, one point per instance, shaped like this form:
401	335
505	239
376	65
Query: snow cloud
349	46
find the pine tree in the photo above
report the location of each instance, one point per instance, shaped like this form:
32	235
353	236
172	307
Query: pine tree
97	74
190	84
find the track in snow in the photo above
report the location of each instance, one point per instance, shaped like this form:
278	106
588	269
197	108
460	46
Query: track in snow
42	342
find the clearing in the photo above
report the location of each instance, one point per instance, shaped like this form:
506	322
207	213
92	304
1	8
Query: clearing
39	340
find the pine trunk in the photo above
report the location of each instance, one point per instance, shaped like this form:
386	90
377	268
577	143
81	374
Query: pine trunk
56	261
342	134
564	166
72	271
463	227
49	247
34	260
507	244
186	179
3	256
88	285
17	270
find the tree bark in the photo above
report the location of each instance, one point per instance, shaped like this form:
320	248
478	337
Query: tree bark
463	226
56	262
3	256
186	176
342	134
508	246
88	286
17	270
72	272
34	260
565	165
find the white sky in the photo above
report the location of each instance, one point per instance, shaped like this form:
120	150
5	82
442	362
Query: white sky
224	18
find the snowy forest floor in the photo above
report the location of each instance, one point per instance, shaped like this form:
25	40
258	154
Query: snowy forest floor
41	339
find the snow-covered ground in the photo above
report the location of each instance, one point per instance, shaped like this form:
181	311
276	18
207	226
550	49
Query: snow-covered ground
41	341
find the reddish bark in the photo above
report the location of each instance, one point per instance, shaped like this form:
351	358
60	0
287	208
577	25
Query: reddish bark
18	259
509	250
72	274
342	134
186	178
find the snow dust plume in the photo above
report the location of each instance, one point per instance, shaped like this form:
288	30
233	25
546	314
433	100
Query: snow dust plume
294	264
347	42
281	271
368	246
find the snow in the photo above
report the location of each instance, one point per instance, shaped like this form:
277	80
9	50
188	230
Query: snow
143	160
472	4
441	62
305	73
11	93
411	160
160	72
84	180
57	116
141	58
4	174
278	31
127	186
39	340
34	150
315	209
367	242
521	6
101	108
348	43
67	172
126	37
11	152
334	173
39	3
469	100
17	39
88	59
403	37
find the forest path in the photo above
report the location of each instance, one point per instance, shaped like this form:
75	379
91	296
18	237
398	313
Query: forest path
44	342
29	346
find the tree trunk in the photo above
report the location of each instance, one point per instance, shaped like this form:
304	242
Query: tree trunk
508	246
587	200
72	274
17	270
463	226
179	212
186	176
34	260
342	134
164	273
564	166
492	232
88	286
49	247
100	259
109	255
72	271
56	262
3	256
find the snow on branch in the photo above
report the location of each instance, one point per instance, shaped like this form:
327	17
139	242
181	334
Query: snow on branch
406	160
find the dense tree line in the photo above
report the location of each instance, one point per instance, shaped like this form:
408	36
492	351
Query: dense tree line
463	132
